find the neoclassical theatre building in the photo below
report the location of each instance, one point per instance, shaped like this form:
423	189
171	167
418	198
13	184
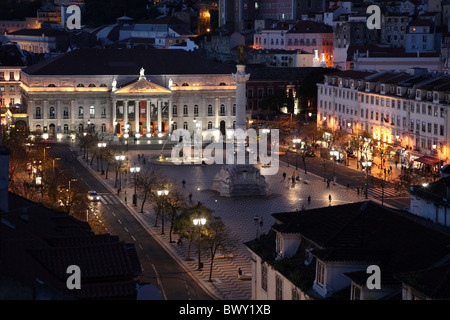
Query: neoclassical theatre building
139	92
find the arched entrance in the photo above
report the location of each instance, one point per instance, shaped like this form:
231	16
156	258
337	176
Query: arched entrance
52	131
21	125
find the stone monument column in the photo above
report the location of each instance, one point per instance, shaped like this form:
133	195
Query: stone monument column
241	77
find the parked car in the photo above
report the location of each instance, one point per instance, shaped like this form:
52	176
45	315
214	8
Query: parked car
93	195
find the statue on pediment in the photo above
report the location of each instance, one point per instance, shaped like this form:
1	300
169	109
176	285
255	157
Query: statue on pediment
142	74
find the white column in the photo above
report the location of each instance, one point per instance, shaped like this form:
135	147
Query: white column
45	113
136	116
147	119
72	113
58	114
170	116
159	103
125	113
114	116
241	77
216	113
229	113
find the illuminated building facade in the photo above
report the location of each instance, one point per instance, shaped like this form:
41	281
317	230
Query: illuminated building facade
403	109
128	91
309	36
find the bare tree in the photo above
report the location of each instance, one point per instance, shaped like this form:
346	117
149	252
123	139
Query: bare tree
218	237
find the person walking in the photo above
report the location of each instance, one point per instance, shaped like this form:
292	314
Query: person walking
309	199
284	175
190	196
329	197
183	183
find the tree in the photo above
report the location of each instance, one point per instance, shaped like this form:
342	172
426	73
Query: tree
184	226
175	202
217	237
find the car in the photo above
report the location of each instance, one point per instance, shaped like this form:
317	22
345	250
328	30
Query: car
310	154
93	195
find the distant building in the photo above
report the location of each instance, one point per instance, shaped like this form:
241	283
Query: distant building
160	32
7	26
282	58
432	201
401	109
324	253
40	40
377	58
394	28
302	35
220	46
422	36
149	92
11	64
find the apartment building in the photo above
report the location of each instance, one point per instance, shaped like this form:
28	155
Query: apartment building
324	253
303	35
407	109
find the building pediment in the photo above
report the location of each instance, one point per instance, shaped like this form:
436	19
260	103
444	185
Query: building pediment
142	86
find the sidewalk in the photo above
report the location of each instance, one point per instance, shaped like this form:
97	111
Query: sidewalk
238	215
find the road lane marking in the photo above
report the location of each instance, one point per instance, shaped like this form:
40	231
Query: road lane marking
159	282
119	221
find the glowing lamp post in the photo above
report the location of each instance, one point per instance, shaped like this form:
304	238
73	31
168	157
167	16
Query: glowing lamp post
199	222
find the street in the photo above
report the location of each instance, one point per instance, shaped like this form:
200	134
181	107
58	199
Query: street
159	268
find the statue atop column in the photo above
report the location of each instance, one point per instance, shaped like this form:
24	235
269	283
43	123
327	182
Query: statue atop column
241	54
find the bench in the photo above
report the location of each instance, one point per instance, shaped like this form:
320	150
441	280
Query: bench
244	276
224	256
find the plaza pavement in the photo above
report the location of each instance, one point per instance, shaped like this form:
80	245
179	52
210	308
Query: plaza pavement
237	213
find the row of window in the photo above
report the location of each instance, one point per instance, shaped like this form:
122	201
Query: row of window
65	112
2	76
187	127
210	110
291	41
11	89
65	128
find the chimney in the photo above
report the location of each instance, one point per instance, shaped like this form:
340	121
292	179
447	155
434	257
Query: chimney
4	177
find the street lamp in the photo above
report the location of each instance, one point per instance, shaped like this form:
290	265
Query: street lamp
161	194
71	180
199	222
135	170
120	158
101	145
53	164
296	142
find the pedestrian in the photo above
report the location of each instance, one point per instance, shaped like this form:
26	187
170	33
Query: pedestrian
329	197
190	196
284	175
261	222
240	271
183	183
309	199
303	208
144	160
348	186
179	241
293	179
357	190
328	183
139	157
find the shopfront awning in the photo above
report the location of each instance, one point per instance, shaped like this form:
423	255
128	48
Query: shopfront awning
427	160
